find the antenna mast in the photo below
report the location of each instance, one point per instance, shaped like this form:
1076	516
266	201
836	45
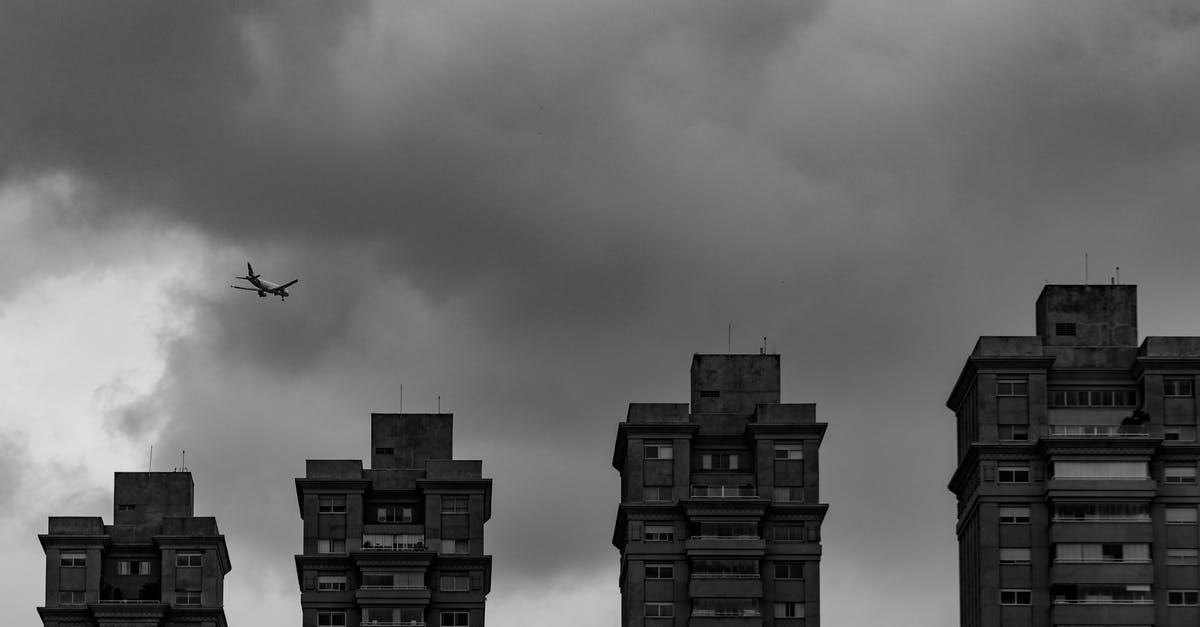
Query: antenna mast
150	466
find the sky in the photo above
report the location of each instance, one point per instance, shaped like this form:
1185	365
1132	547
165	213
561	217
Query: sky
536	211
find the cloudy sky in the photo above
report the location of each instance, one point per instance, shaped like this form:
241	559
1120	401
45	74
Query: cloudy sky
538	210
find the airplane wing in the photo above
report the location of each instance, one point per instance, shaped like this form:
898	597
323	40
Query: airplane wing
238	287
294	281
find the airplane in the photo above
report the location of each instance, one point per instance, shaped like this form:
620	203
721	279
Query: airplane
262	286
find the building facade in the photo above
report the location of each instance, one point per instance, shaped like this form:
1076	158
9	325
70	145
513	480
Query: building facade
156	565
720	519
400	543
1077	461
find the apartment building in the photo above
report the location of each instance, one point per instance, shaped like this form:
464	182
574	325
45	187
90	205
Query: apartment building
720	519
157	565
1076	479
400	543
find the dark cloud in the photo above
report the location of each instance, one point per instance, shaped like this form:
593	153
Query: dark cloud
538	211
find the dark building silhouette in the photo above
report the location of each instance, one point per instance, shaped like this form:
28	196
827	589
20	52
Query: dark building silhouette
400	543
156	565
1076	479
720	519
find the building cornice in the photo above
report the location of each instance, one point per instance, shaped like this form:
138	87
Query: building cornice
664	430
197	542
760	430
329	485
975	365
1143	365
58	541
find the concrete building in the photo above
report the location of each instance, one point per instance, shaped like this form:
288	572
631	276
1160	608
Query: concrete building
720	519
156	565
1076	479
400	543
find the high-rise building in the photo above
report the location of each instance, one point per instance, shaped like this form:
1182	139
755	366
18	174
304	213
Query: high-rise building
720	519
1076	479
400	543
157	565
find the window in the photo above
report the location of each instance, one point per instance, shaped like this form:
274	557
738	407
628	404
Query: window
1014	556
1064	328
789	533
1013	474
1100	512
410	580
660	610
724	569
789	570
455	619
331	619
1014	433
659	450
1014	596
660	570
789	450
790	493
394	541
1180	434
1014	515
719	461
659	533
385	450
189	559
71	597
1102	594
454	583
725	607
125	507
710	394
734	530
331	582
789	610
656	494
1181	515
1183	597
328	545
1011	386
72	558
1179	474
1100	470
187	597
455	505
456	546
1177	387
1112	397
331	504
394	581
1100	552
1183	557
133	567
393	513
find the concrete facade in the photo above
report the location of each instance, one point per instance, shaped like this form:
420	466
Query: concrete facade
400	543
720	514
157	565
1077	462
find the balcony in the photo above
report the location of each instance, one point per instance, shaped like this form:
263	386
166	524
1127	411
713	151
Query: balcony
129	602
376	623
1099	431
1101	572
725	586
724	492
392	588
416	546
1102	613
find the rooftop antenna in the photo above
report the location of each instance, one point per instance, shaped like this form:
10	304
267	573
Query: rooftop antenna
439	403
1085	268
1118	275
402	398
183	461
729	340
150	466
763	351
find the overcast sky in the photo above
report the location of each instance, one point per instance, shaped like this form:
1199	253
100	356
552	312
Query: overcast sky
538	210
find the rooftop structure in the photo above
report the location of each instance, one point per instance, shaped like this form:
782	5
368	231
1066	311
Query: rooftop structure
156	565
400	543
720	519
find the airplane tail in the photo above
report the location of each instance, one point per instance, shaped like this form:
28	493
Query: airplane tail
250	271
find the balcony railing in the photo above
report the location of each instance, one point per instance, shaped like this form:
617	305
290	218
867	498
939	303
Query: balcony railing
1099	431
393	588
376	623
418	546
725	575
1102	601
724	492
735	537
726	614
128	602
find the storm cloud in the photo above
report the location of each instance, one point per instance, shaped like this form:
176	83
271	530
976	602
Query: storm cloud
537	211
